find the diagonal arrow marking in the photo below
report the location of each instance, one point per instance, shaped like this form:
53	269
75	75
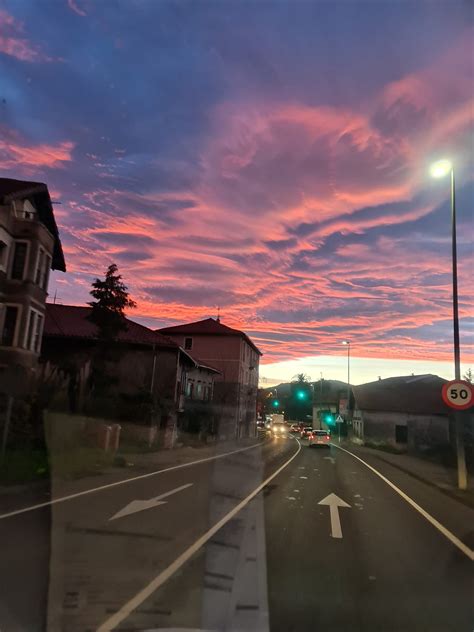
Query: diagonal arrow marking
334	503
140	505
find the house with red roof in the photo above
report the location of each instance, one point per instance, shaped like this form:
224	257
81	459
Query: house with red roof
237	358
29	248
146	372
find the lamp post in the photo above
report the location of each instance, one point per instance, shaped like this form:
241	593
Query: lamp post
441	169
347	343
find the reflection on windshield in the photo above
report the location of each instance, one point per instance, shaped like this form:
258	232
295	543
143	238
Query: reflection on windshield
236	316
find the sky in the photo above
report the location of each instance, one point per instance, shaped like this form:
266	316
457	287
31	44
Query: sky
267	158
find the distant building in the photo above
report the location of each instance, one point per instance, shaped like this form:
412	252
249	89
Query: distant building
329	396
29	248
237	358
407	412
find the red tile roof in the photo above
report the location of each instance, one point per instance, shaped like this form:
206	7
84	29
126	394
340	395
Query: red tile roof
208	327
38	193
70	321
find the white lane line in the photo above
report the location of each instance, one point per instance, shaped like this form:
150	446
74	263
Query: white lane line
127	480
160	579
441	528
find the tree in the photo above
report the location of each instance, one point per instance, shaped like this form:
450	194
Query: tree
468	376
301	378
112	298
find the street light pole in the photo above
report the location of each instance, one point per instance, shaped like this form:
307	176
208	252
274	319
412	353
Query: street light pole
347	343
457	352
438	170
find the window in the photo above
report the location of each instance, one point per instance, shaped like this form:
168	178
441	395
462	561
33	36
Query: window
34	331
19	260
43	265
39	266
3	252
188	343
9	325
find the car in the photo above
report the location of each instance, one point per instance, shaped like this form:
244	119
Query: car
305	432
295	428
279	430
319	438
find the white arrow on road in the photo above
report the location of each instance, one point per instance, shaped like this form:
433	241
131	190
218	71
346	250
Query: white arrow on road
330	458
140	505
334	503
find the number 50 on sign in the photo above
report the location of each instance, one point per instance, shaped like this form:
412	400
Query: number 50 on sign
458	394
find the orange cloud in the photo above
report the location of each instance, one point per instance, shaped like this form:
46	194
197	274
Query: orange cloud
14	152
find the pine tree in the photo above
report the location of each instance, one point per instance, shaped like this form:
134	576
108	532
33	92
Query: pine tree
112	298
468	376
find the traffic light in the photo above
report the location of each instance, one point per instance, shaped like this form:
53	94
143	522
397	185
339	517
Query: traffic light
328	418
276	403
301	394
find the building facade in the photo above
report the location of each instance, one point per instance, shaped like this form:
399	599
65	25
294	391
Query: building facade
406	412
29	249
237	359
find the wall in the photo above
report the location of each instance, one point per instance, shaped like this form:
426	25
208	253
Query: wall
421	430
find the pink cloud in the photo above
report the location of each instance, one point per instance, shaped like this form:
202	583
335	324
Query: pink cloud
75	8
266	169
16	153
14	44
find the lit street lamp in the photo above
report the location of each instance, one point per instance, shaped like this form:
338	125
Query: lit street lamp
441	169
348	345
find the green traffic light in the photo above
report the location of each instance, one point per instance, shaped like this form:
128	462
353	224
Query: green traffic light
301	395
276	403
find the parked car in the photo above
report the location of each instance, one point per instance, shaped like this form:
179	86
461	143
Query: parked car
319	438
305	432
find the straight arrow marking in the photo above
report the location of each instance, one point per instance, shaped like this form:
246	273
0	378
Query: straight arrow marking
140	505
334	503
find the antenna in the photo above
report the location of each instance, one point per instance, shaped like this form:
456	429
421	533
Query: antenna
218	314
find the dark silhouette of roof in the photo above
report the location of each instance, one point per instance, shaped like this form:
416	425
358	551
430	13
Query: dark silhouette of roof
71	321
208	327
202	365
417	394
38	193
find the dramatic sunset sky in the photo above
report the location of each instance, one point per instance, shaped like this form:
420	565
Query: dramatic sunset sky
270	158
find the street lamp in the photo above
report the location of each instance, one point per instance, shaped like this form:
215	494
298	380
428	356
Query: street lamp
440	169
348	345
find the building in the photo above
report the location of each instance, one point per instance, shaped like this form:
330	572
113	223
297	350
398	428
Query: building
329	396
406	412
146	373
237	359
29	248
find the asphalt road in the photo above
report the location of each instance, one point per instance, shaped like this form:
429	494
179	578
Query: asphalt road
241	543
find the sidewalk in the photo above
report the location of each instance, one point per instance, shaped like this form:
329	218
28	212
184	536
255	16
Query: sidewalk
424	470
135	464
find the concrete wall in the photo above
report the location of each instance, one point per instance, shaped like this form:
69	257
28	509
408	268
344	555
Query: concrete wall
421	430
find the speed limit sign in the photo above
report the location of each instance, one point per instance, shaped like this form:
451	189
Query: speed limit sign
458	394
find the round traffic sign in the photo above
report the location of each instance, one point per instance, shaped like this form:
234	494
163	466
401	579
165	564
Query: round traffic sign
458	394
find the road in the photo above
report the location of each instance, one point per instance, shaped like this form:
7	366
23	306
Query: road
241	543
